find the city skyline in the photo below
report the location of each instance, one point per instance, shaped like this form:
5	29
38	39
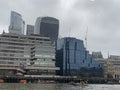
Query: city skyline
100	16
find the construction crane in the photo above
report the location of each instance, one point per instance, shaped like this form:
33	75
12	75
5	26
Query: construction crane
86	37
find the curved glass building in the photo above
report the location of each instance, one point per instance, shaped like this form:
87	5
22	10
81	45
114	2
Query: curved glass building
17	24
73	58
48	27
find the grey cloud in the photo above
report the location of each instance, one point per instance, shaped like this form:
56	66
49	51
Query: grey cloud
103	20
101	16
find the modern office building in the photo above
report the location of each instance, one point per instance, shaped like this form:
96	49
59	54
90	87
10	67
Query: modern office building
26	55
17	24
30	30
99	57
73	58
48	27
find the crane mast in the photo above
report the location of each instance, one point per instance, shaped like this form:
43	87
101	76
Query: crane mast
86	37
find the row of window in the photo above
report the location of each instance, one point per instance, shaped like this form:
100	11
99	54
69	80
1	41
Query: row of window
23	59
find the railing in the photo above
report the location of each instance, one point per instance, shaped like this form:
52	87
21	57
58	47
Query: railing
42	68
12	68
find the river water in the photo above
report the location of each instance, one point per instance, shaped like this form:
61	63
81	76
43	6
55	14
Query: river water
16	86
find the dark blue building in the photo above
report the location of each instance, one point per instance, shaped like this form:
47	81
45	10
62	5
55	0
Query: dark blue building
73	58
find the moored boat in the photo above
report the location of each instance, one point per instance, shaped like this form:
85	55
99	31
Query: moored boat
23	81
82	83
45	82
1	81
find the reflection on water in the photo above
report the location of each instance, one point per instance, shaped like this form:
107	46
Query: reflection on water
15	86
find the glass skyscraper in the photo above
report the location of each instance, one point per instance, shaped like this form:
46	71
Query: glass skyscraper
17	25
30	30
72	56
48	27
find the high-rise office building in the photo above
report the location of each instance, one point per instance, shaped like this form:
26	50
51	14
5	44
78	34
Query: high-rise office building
72	57
48	27
30	30
97	55
17	25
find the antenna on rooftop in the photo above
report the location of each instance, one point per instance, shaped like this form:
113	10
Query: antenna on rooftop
86	37
108	54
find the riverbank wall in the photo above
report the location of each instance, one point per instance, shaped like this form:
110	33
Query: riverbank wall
60	79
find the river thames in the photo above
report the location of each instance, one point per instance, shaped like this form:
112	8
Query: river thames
16	86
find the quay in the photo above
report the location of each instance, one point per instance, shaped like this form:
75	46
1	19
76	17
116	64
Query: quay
58	79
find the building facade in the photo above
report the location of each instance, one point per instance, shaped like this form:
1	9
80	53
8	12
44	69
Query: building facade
48	27
97	56
30	30
112	67
73	58
27	55
17	24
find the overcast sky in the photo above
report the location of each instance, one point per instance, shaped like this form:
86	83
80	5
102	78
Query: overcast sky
102	17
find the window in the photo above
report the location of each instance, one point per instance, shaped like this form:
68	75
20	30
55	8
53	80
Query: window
83	61
91	60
